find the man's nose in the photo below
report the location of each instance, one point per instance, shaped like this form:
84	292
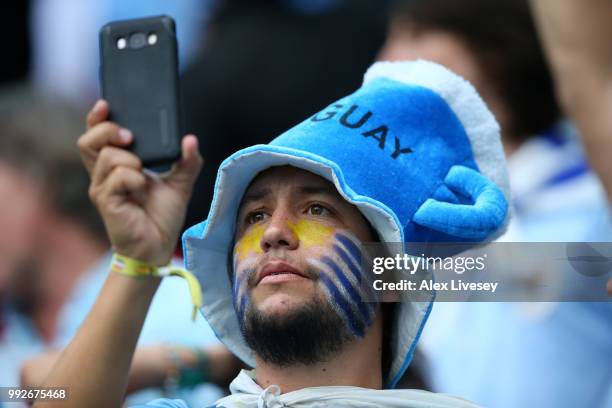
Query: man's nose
278	233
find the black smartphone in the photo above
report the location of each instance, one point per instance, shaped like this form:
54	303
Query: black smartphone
139	79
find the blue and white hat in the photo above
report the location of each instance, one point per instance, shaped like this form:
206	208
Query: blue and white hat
415	149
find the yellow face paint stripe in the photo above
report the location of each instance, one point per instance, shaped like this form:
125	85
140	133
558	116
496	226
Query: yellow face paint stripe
250	243
309	233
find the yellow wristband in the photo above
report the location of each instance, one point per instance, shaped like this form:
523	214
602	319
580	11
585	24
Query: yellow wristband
132	267
135	268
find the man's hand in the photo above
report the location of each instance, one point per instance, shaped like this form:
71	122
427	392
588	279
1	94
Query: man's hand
143	213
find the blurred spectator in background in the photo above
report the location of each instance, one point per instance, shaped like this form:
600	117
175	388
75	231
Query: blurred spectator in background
268	64
46	214
493	45
510	355
581	61
54	254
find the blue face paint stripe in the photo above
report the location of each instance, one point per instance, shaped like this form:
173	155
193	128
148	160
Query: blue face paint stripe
235	289
356	298
354	324
371	294
350	246
240	281
347	260
243	302
240	295
354	264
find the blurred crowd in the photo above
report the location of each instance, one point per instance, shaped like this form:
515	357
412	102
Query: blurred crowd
250	70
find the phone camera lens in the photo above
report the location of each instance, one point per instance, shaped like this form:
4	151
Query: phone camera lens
138	40
121	43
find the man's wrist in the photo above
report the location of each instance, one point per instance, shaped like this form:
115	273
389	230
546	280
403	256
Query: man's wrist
136	268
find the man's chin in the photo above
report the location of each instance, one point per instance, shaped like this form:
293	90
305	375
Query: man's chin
271	330
279	304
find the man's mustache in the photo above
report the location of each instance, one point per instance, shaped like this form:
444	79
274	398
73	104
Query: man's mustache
251	272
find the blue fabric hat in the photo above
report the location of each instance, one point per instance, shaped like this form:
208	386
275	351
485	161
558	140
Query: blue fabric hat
415	149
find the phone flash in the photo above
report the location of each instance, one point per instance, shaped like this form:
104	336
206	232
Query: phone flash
121	43
152	39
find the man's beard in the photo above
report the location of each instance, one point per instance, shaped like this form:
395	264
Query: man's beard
307	334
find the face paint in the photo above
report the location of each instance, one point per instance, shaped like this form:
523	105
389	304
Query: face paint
246	250
245	255
240	290
311	233
337	261
250	243
341	277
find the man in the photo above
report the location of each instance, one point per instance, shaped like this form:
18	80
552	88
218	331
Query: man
412	155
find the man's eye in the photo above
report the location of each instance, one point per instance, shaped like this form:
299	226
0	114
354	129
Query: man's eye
255	217
317	209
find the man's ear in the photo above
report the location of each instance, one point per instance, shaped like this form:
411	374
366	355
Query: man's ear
479	218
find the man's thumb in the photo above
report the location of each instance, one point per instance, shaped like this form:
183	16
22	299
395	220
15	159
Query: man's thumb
185	172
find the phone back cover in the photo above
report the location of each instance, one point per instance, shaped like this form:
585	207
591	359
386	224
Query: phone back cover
141	86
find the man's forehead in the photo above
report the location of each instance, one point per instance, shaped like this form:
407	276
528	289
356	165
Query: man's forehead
286	177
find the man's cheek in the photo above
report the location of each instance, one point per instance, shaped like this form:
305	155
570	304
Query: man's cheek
342	281
246	251
243	271
312	234
249	245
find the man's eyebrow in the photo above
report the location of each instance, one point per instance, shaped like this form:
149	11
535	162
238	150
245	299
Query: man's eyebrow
326	190
254	195
260	194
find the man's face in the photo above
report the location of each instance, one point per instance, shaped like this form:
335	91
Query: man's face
297	244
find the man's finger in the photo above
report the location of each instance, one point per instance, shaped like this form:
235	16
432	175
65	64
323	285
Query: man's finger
98	113
121	181
100	136
111	157
185	172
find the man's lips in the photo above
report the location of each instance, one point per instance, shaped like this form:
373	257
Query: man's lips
279	271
